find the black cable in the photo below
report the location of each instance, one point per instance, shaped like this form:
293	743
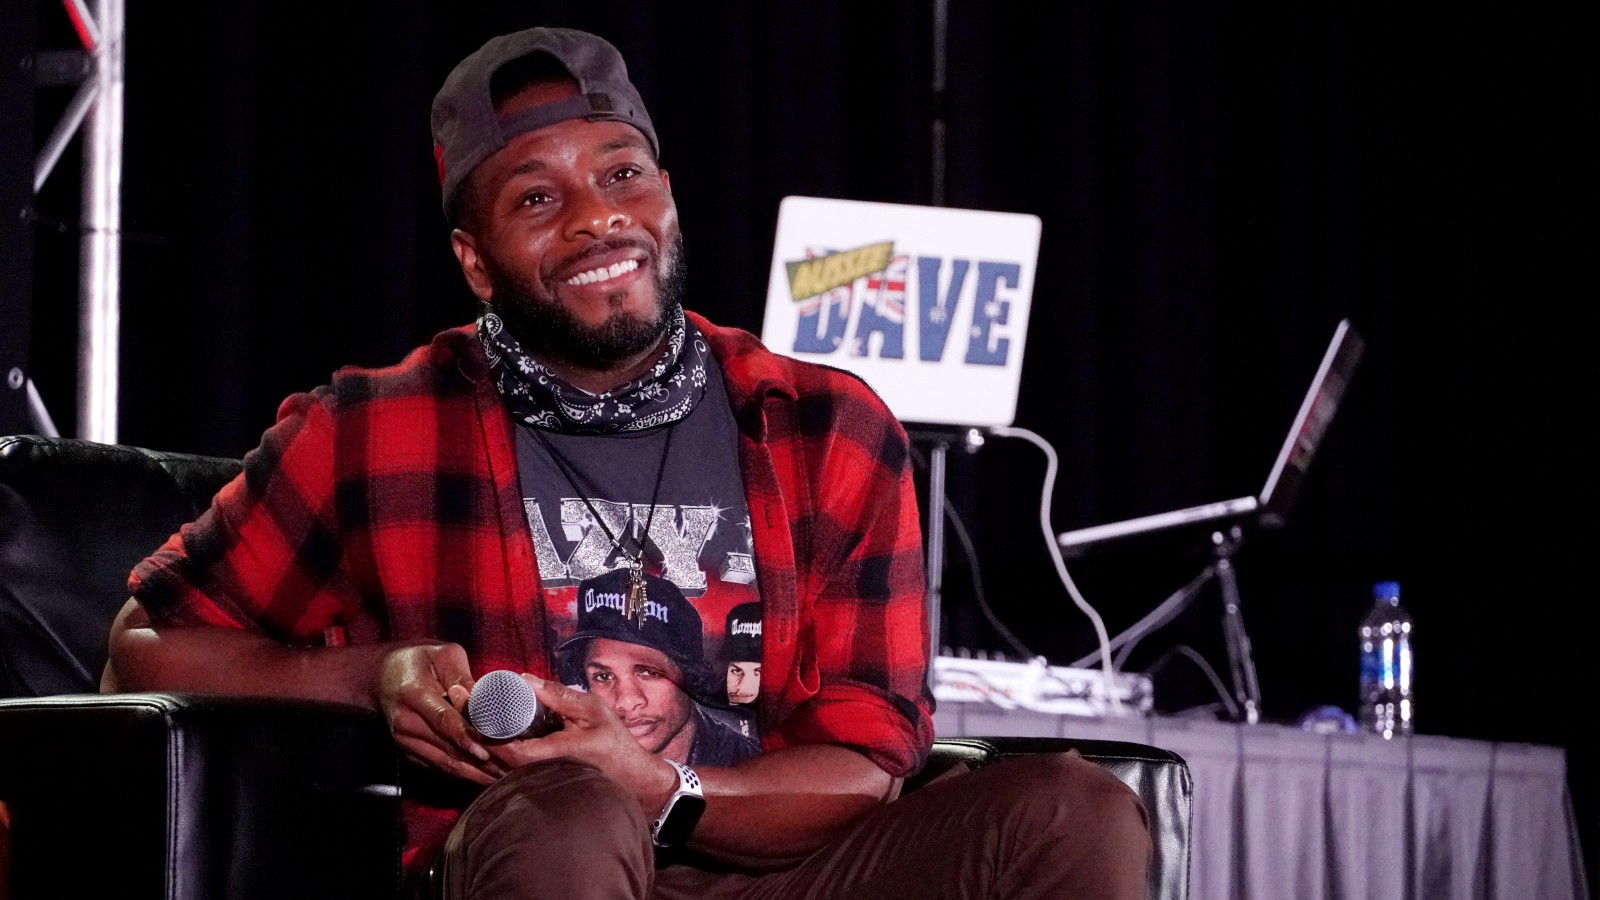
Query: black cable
977	582
1189	653
975	570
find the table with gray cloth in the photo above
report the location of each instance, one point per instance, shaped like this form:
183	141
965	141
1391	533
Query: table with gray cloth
1280	812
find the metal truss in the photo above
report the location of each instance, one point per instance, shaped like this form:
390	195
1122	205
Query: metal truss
96	110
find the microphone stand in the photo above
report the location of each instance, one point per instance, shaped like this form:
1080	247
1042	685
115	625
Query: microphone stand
935	556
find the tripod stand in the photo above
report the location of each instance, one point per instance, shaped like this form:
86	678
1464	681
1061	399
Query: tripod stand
1241	664
1269	507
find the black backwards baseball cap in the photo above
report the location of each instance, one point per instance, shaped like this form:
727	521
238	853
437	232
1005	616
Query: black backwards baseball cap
466	129
668	623
742	640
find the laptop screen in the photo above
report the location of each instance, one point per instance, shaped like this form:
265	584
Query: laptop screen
1311	423
1283	482
929	305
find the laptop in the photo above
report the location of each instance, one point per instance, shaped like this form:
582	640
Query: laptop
1271	506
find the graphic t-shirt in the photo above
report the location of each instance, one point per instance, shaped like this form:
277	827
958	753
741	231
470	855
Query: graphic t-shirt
683	670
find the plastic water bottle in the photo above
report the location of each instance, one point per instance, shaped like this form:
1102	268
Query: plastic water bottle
1386	703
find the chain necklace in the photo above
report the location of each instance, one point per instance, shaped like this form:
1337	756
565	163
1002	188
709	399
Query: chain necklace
636	590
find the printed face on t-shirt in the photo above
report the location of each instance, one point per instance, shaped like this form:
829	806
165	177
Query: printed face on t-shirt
744	681
641	685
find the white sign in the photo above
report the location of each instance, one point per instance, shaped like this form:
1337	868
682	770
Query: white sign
929	305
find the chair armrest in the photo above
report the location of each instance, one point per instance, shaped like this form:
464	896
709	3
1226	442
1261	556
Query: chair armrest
1160	777
185	796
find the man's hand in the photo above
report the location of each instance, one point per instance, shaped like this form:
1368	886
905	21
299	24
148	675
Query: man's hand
420	687
422	690
768	811
592	733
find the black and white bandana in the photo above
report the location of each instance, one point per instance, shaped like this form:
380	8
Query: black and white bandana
665	393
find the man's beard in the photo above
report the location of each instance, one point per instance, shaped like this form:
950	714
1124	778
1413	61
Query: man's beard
551	333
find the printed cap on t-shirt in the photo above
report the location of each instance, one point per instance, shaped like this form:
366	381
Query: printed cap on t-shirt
742	638
667	623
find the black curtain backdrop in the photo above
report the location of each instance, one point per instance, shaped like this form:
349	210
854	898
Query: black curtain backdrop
1219	184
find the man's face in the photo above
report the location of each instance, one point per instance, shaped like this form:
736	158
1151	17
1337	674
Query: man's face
573	236
640	685
744	681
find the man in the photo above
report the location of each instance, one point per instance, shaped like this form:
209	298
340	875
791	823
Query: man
402	530
652	672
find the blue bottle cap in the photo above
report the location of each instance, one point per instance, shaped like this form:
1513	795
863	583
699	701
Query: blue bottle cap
1328	720
1386	589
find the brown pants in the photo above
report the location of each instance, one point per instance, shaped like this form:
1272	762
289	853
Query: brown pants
1048	826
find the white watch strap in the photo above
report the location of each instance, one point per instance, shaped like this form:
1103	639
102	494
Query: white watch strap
688	786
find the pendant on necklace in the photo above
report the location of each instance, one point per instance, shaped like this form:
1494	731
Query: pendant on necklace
636	592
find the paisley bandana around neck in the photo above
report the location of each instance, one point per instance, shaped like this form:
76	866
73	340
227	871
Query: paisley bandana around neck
536	396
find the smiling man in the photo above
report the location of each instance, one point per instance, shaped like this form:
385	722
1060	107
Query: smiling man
591	308
588	470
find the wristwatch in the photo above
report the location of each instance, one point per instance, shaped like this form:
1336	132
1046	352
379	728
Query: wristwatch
682	812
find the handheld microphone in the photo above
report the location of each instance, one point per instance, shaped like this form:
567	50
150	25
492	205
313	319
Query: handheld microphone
502	705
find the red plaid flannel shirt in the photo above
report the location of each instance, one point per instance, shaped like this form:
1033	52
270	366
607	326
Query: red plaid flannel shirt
387	504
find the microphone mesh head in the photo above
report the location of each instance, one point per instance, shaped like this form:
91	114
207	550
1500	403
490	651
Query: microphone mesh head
502	705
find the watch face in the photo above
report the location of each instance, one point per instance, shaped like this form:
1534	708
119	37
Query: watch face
681	819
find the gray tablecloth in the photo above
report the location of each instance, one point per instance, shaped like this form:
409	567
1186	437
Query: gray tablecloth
1285	813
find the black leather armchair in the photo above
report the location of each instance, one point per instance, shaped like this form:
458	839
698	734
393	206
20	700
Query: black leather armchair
184	796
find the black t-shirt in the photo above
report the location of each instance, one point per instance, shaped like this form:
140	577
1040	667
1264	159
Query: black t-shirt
699	539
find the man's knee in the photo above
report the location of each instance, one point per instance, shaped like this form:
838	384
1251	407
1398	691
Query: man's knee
1066	790
555	819
554	795
1078	828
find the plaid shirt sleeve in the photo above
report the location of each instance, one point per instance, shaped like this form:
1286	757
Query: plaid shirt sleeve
843	579
265	555
867	623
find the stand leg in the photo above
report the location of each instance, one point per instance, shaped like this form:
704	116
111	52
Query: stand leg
1245	687
1161	615
38	413
936	463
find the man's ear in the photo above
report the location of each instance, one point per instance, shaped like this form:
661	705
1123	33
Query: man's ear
466	250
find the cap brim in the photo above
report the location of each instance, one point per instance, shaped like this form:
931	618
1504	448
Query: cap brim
690	672
677	659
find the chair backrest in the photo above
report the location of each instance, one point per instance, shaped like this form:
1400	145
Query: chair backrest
75	518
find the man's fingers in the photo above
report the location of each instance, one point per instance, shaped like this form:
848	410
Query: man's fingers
450	664
447	712
421	677
447	721
429	754
412	733
517	753
570	704
429	715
